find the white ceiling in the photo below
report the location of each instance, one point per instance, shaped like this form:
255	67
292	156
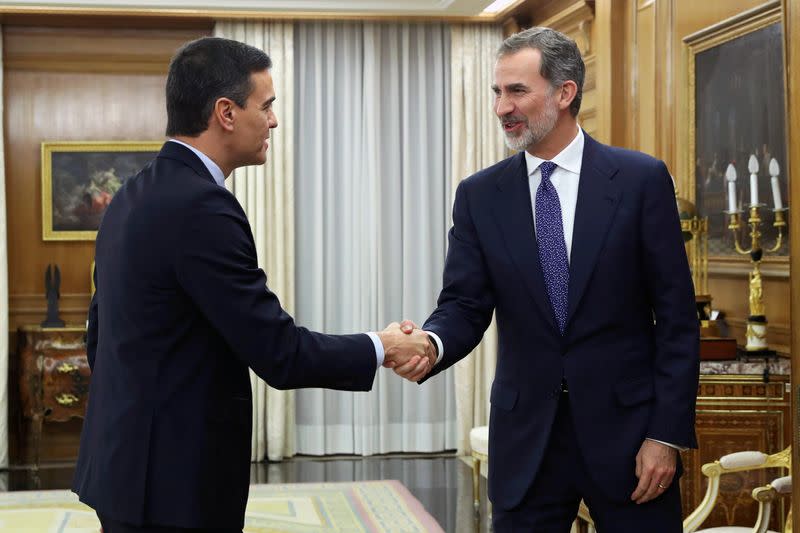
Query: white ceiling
377	7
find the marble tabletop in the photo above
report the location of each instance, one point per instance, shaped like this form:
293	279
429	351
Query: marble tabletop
781	366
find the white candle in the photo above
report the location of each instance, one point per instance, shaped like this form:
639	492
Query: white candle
732	196
752	166
774	171
730	176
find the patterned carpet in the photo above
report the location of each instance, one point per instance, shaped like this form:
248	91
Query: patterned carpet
365	507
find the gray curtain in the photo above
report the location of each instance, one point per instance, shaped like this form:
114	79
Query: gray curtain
372	184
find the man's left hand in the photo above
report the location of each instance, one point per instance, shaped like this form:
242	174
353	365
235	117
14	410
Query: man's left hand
655	468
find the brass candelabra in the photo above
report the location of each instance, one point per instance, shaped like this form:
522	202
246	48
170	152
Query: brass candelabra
757	321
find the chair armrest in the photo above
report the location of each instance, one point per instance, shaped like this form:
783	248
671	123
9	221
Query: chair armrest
782	485
748	460
765	496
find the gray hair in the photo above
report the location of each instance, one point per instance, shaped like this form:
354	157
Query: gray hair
561	59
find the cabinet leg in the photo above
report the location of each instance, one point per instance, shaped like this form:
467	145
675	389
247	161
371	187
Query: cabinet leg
38	420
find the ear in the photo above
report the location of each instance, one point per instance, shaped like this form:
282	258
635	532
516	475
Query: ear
567	94
224	113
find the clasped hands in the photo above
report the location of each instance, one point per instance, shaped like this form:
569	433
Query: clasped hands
408	350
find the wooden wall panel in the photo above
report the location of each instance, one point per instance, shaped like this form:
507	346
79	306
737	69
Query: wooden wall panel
576	19
792	46
611	34
69	84
645	67
65	84
730	293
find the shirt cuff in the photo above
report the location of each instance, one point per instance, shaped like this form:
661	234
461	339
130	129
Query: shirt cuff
679	448
438	345
379	353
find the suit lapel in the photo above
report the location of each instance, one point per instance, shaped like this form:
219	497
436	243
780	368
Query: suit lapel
514	214
598	198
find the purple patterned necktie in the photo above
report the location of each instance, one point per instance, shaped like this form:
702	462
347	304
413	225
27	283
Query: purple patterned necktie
552	247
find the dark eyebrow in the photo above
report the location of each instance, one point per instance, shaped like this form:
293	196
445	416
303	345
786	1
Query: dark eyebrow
510	87
267	103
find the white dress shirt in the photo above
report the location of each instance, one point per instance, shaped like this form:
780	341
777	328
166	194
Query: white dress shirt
219	179
565	179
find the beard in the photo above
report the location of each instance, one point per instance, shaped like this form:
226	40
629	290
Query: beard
534	132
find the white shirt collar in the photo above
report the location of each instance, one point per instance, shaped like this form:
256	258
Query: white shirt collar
570	158
212	167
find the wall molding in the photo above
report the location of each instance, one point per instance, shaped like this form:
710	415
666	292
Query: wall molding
771	268
213	13
27	309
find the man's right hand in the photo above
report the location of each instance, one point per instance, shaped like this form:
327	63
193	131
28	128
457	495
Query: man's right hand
409	354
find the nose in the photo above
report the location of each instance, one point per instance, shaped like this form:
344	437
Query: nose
502	106
273	120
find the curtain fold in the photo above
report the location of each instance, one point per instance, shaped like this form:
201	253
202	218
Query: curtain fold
267	195
372	166
477	143
3	288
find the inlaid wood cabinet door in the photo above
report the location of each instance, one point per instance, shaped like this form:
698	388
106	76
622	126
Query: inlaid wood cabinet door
737	413
53	377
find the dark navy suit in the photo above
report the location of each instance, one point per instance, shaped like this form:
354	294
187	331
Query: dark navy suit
180	313
629	353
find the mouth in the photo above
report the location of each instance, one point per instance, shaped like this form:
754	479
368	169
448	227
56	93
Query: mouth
513	126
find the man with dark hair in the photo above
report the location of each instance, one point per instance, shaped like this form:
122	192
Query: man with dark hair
577	248
182	310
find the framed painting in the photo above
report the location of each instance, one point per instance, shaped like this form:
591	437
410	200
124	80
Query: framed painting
737	109
79	179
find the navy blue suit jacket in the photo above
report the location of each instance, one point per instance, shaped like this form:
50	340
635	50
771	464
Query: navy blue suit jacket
180	313
630	377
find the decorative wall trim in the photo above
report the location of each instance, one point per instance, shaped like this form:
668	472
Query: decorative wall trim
25	309
217	14
771	267
571	17
54	50
590	81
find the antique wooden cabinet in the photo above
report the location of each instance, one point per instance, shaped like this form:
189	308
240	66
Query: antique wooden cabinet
53	376
737	412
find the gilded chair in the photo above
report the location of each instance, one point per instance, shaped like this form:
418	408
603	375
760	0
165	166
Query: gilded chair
739	462
479	442
765	496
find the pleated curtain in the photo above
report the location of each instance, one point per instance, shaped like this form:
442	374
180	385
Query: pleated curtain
3	288
266	193
477	143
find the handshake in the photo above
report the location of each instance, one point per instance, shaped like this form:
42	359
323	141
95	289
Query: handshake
408	350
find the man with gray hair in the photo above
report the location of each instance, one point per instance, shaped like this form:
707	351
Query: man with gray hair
577	248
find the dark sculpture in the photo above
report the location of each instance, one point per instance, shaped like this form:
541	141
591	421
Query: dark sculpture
52	285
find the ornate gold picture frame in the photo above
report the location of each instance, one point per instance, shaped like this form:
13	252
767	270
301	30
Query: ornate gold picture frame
80	178
737	108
